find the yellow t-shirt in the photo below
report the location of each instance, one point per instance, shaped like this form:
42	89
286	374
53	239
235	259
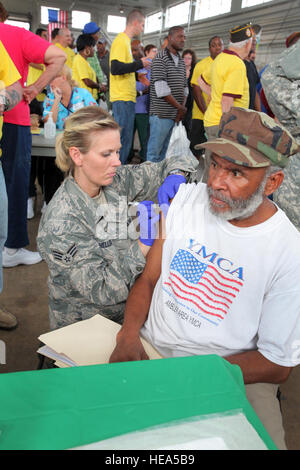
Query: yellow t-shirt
69	53
202	67
81	69
33	75
228	77
122	87
8	75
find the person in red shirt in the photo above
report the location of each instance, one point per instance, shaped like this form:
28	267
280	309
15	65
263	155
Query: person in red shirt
24	48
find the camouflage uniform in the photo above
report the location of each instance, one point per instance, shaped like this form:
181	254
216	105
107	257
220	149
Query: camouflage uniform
92	260
281	84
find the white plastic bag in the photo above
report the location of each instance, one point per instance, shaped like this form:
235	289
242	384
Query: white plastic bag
179	143
103	105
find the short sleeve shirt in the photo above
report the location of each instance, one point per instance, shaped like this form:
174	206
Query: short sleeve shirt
79	99
81	69
69	53
23	48
8	75
227	77
202	67
122	87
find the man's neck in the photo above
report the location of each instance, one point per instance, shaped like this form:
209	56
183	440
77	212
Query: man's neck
236	50
129	32
264	212
62	45
172	50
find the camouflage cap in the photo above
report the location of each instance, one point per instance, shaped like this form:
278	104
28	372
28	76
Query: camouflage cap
252	139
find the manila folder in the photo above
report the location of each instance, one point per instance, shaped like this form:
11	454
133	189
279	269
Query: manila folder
89	341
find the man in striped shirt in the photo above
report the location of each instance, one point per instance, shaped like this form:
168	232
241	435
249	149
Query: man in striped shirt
168	93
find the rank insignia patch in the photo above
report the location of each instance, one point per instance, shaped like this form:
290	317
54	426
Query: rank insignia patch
66	258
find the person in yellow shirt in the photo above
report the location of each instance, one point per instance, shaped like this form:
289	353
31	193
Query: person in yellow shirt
122	79
201	100
226	83
63	40
82	73
10	95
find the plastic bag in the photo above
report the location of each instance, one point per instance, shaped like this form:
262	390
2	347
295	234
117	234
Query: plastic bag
103	105
179	143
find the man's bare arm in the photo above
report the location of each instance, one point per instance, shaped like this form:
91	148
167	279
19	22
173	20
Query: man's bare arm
10	97
258	369
226	103
204	86
198	97
129	346
54	60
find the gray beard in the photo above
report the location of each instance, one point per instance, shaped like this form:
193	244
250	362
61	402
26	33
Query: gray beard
239	208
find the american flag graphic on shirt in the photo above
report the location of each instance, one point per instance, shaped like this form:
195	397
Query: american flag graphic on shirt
201	287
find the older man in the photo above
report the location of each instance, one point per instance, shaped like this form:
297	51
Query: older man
24	48
226	82
63	40
226	278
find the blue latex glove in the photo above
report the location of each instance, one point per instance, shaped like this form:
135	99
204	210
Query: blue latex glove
147	219
168	190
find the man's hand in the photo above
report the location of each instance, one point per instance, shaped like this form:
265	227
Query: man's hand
128	349
30	93
146	62
143	79
180	113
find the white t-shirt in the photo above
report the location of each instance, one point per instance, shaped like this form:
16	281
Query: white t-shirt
225	289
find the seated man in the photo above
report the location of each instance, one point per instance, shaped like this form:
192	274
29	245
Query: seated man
225	280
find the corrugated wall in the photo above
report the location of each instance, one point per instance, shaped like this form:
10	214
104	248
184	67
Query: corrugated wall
278	19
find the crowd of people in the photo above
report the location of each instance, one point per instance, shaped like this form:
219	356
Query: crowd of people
195	262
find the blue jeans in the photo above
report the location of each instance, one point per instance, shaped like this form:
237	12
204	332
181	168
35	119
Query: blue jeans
160	135
124	115
16	160
3	220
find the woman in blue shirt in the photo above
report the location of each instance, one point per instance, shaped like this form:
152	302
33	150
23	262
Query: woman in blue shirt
65	98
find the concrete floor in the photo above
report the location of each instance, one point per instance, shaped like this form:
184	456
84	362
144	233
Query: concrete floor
25	295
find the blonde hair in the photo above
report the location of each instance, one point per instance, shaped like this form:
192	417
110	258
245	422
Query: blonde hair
67	73
78	129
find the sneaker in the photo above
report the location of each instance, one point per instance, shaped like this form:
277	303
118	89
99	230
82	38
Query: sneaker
7	320
30	210
11	258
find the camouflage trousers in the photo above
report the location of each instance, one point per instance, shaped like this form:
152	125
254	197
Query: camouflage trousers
287	196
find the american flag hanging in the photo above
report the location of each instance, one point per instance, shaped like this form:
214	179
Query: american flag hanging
57	19
201	287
